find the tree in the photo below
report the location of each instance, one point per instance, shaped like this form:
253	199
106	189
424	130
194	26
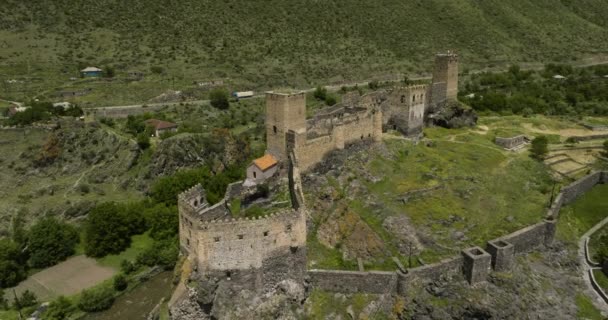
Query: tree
163	221
120	282
96	299
27	299
540	147
219	99
109	72
106	231
143	140
12	268
51	241
59	309
606	148
3	301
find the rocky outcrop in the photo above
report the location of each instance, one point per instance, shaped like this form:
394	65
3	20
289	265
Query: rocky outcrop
453	115
220	299
219	150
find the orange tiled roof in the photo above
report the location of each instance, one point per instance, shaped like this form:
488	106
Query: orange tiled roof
266	162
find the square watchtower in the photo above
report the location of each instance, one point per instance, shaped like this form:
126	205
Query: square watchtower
445	80
284	111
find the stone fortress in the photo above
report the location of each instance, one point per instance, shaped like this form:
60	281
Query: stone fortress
259	253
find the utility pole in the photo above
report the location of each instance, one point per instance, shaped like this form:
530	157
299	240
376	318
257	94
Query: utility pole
552	194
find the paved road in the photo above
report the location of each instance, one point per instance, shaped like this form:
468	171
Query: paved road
598	301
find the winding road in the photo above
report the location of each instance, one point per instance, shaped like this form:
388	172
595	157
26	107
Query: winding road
597	301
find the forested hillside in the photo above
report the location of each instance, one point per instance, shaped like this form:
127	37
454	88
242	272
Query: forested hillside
288	42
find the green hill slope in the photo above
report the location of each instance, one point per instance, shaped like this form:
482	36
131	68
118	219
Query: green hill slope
288	42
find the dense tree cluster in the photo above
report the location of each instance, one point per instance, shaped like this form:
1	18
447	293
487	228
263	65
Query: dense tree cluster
109	227
557	90
50	242
46	243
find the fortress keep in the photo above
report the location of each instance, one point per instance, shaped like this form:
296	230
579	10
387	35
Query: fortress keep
356	118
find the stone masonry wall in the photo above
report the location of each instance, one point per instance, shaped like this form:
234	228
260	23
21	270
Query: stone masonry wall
579	187
245	243
374	282
527	238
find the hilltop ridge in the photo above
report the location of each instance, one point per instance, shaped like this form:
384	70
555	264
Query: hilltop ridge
291	43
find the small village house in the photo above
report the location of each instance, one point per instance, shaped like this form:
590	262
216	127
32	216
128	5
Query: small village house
91	72
262	169
161	126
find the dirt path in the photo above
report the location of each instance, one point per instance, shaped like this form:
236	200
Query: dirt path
597	300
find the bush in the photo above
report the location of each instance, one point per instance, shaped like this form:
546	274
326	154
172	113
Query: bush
51	241
163	253
540	147
219	99
59	309
127	267
320	93
330	100
157	69
120	282
606	148
96	299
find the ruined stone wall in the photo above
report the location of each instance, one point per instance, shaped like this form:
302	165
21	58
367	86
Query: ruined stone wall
374	282
353	128
588	138
118	113
510	143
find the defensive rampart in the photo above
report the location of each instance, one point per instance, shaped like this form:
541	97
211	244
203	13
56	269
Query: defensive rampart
474	263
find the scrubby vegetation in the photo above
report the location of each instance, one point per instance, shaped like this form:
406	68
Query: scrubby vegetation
557	90
280	43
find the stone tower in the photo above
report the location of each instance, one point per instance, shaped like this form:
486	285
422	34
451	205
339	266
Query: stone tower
445	79
284	112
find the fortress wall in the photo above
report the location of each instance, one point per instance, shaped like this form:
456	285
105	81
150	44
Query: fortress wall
245	243
527	238
358	130
313	151
447	267
374	282
579	187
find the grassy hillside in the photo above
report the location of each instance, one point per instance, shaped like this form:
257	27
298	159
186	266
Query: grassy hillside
284	42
